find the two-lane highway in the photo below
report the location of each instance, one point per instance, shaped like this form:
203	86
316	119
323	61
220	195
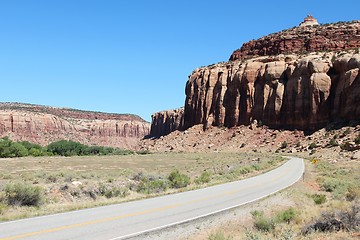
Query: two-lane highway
133	218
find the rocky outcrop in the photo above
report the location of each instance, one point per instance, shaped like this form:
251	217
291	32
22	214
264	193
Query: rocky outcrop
309	38
300	78
166	122
44	125
285	91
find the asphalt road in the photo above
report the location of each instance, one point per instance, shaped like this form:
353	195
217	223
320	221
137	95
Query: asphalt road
125	220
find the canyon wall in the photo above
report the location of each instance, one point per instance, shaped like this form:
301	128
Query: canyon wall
304	92
285	91
43	125
166	122
300	78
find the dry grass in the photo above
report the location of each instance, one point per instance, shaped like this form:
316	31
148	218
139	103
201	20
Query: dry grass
73	183
307	212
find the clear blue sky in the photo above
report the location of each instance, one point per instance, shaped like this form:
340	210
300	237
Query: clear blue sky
132	56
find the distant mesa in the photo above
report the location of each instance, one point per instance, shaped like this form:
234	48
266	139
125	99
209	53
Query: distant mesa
43	125
309	21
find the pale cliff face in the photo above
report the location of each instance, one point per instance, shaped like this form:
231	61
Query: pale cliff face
46	126
302	92
297	92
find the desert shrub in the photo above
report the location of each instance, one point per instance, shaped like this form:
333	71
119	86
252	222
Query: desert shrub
118	151
264	224
113	191
353	193
23	194
357	139
152	185
345	146
284	145
287	234
52	178
143	152
333	142
218	236
205	177
178	180
251	235
312	146
319	198
244	170
116	192
3	208
346	132
324	166
149	184
256	167
261	222
138	176
334	186
287	215
348	220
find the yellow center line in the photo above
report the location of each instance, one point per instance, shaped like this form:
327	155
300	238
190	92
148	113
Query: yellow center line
159	209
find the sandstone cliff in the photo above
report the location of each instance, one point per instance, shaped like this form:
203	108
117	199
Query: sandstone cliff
301	78
285	91
166	122
327	37
43	125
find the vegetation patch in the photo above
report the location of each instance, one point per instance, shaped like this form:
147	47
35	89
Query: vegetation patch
219	236
56	184
205	177
178	180
20	194
10	149
334	221
319	198
263	223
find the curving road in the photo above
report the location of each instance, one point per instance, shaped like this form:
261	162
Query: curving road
133	218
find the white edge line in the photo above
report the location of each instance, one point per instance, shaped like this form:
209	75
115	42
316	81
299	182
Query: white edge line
208	214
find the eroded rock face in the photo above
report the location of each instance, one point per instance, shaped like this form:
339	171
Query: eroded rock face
300	78
166	122
327	37
44	125
286	91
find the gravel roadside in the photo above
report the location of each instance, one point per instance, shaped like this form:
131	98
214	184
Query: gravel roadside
200	229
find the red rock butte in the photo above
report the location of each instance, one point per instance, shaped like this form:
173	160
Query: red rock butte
302	78
308	37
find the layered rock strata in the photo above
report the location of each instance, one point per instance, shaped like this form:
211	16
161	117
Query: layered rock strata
44	125
166	122
309	38
286	91
301	78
